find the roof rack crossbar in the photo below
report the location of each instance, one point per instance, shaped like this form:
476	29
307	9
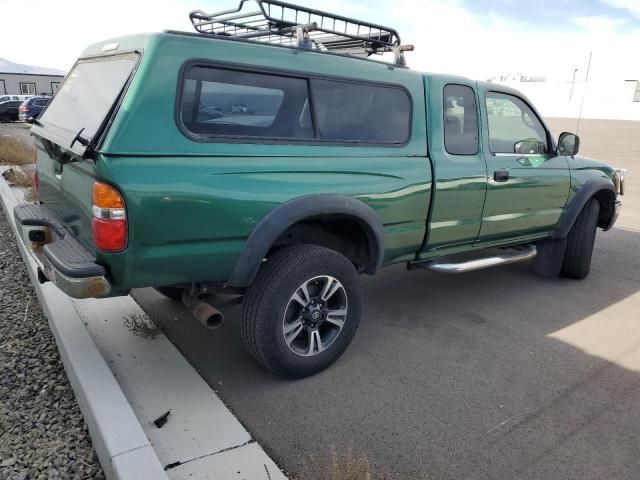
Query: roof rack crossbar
291	25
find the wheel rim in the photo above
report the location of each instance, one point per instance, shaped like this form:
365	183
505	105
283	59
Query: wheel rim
315	315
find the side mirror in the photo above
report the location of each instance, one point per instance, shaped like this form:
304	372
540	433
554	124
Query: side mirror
530	146
568	144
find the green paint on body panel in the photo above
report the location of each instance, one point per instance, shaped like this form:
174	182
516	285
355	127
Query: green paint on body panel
191	205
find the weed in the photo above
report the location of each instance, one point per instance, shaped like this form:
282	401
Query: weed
14	151
141	325
342	466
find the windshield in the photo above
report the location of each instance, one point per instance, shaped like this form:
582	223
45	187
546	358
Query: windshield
84	99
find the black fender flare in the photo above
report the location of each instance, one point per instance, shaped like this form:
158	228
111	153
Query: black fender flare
282	217
587	191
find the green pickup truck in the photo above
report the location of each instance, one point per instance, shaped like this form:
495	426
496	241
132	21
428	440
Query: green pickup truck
269	156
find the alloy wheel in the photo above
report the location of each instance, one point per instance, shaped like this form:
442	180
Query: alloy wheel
315	315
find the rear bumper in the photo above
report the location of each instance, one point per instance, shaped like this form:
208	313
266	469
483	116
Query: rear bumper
61	258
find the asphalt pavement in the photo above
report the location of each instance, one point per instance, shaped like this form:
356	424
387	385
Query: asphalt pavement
495	374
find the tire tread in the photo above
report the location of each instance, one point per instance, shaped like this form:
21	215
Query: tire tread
263	289
580	241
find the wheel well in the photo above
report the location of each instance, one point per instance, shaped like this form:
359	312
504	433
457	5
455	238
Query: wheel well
607	200
341	233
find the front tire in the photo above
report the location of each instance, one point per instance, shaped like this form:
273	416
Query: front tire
302	311
577	257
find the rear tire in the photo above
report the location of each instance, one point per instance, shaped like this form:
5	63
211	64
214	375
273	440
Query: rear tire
577	257
4	118
173	293
302	310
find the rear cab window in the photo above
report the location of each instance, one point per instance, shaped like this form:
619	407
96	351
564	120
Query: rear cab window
85	99
215	103
461	134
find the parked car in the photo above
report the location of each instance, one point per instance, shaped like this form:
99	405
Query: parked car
9	111
6	98
355	165
207	113
32	108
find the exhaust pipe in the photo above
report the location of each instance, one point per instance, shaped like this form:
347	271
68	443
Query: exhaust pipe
206	314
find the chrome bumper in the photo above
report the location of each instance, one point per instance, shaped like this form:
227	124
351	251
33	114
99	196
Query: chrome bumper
65	268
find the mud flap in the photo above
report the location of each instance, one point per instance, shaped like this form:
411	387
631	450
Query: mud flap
548	261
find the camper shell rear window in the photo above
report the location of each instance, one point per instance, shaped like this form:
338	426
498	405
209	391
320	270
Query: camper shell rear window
84	100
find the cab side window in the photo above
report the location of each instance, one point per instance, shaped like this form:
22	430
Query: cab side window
460	120
513	126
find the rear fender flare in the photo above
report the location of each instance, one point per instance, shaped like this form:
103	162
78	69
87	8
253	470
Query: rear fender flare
278	220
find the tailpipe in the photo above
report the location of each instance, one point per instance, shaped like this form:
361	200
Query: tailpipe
206	314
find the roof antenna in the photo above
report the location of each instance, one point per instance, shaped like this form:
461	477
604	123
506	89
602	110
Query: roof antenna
584	92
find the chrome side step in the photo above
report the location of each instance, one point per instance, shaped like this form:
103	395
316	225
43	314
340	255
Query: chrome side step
504	256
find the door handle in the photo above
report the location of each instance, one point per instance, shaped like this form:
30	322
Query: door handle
501	175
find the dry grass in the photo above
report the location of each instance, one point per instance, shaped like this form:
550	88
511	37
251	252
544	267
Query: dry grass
14	151
342	466
141	325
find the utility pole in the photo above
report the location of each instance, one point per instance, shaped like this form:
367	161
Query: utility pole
586	82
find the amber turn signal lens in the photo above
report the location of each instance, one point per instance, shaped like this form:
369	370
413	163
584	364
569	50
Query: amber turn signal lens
105	196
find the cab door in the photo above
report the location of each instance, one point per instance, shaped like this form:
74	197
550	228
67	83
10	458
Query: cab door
459	170
527	183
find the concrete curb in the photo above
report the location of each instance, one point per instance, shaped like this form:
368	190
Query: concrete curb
123	449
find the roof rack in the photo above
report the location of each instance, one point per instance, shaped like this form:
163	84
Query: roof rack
290	25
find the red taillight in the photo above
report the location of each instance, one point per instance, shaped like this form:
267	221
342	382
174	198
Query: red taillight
23	109
109	221
109	235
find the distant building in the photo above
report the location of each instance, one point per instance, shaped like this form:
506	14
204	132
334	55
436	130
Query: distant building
606	95
516	77
29	83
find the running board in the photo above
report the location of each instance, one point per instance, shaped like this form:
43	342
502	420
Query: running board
503	257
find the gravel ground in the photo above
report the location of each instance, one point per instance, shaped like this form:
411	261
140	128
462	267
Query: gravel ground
42	432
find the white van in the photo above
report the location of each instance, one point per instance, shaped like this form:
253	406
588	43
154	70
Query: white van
7	98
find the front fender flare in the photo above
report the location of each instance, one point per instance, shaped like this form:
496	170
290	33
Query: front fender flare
282	217
588	190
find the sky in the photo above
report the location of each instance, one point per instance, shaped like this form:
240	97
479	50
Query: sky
474	38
